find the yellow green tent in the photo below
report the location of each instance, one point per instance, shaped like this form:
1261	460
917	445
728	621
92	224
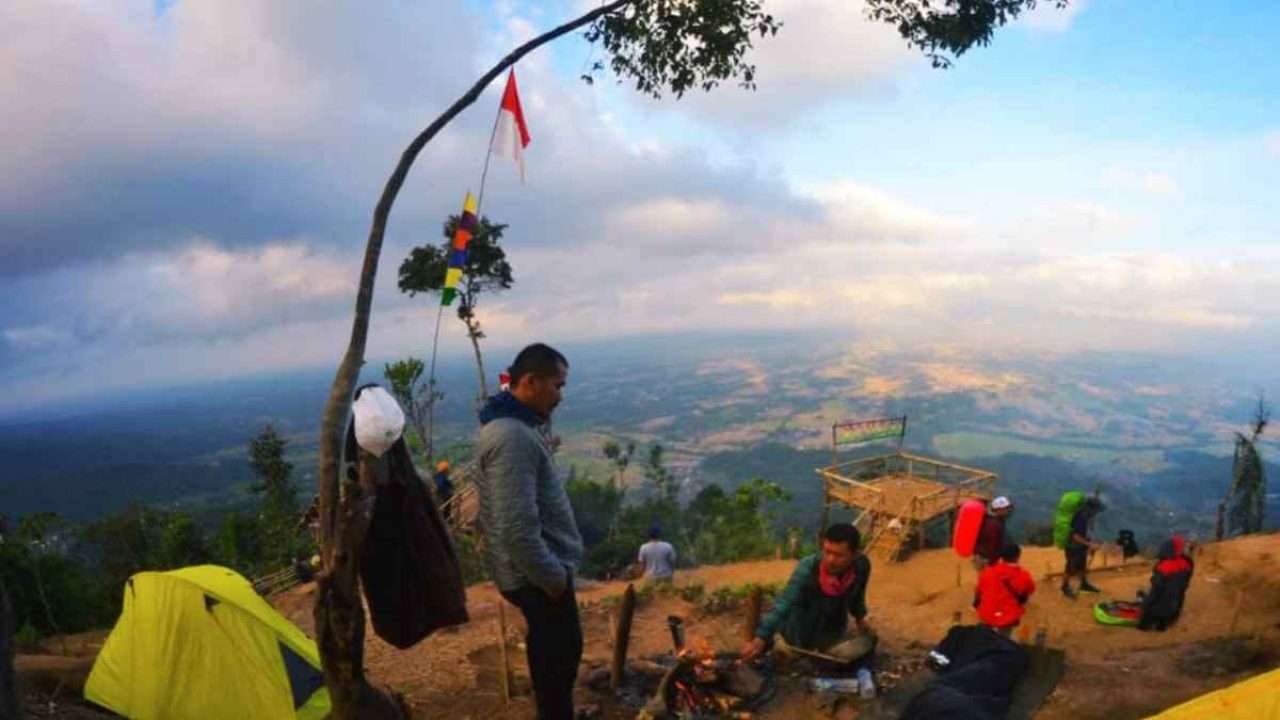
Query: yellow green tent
1257	698
199	643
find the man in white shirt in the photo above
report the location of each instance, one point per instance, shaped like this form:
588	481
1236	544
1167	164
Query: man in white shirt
657	557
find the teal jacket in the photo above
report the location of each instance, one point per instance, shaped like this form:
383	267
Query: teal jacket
807	618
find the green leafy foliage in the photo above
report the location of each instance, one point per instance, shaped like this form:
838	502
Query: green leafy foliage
49	591
1247	508
595	507
486	270
663	482
942	27
723	599
620	457
730	527
679	45
417	395
278	497
239	542
675	46
470	558
716	527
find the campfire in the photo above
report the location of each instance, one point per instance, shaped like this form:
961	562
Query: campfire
700	684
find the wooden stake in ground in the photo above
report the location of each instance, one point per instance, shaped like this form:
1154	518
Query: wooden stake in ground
623	637
754	602
504	670
1235	614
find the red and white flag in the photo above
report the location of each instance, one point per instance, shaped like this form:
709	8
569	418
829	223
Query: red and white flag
511	135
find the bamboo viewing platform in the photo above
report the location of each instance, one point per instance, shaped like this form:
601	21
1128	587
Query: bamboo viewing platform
900	495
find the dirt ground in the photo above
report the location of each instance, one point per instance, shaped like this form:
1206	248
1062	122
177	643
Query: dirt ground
1111	672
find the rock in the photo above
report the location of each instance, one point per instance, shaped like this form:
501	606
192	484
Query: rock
647	668
597	679
824	703
846	712
742	681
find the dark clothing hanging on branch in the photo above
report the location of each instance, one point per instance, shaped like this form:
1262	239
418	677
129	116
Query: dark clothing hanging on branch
408	565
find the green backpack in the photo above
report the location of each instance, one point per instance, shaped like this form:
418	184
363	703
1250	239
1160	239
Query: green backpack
1068	506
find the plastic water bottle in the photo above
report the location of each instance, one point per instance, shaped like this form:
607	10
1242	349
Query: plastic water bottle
843	686
866	685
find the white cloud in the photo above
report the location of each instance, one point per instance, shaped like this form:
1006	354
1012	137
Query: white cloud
1152	184
615	234
199	290
1272	142
777	299
826	51
35	337
669	220
1047	17
117	118
858	211
222	289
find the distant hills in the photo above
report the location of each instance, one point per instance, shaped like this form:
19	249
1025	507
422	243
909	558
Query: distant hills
1155	432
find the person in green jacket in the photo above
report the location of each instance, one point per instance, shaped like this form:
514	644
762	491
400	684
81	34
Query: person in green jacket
813	611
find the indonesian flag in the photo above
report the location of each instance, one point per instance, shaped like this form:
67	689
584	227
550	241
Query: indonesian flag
511	135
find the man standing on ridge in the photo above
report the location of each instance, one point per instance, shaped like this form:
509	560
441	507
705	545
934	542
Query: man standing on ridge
444	488
657	558
532	546
990	543
1078	547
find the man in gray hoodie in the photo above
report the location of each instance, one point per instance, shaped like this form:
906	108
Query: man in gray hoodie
531	541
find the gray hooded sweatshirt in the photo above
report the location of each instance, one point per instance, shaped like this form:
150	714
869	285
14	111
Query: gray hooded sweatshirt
530	536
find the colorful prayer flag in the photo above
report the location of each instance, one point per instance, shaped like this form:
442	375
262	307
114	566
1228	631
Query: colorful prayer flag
849	433
511	134
467	227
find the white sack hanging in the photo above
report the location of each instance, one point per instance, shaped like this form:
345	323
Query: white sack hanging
379	420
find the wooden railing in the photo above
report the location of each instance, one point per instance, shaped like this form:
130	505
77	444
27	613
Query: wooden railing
843	485
464	490
276	582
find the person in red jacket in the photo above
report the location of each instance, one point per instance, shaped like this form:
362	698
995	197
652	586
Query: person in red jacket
1003	591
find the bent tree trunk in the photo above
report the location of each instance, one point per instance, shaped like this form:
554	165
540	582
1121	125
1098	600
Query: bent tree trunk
473	333
339	614
339	637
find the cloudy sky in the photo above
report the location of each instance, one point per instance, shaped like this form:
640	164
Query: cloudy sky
187	185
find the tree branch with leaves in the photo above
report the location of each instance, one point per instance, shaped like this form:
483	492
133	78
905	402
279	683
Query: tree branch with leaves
418	396
660	46
486	272
1245	507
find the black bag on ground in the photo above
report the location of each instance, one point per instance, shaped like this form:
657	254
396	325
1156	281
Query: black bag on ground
408	566
982	669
